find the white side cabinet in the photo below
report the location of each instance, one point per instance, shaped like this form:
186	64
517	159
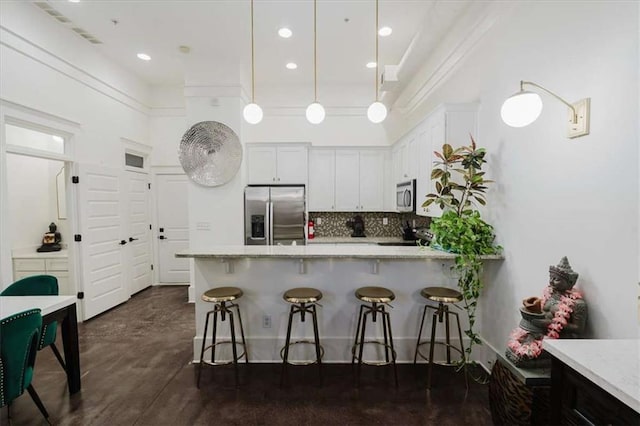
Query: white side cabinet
449	123
277	164
322	175
44	264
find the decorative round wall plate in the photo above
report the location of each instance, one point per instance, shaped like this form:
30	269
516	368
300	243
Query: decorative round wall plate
210	153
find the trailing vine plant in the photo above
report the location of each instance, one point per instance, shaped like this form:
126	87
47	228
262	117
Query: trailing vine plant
460	229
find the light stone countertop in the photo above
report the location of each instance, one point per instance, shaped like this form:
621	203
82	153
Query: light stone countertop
33	254
323	251
613	365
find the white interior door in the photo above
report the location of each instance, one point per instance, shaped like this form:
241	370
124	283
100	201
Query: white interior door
102	226
138	240
173	227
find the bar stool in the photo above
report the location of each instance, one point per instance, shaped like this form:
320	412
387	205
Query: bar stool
223	297
304	301
377	297
443	296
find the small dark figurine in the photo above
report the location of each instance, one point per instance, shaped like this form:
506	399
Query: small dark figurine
51	240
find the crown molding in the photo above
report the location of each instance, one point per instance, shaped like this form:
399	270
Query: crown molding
39	54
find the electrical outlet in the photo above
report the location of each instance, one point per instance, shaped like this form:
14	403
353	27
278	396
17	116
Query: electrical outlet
319	221
266	321
385	221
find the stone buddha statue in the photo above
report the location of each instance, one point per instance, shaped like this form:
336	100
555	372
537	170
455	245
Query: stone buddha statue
51	240
560	313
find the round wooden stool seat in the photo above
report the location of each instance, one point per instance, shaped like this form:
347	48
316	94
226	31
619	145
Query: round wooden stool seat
441	294
375	294
222	294
302	295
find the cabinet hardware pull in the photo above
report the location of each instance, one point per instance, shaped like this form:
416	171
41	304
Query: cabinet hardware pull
122	242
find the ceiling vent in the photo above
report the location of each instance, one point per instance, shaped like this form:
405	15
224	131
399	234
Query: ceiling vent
50	10
389	78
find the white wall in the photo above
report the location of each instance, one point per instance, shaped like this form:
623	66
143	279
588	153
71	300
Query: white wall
556	196
30	200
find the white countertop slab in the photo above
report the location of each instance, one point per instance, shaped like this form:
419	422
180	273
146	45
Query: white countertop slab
33	254
613	365
323	251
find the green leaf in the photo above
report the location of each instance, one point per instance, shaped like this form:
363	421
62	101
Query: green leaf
447	151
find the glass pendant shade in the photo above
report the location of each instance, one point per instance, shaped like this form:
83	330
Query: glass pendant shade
315	113
377	112
252	113
521	109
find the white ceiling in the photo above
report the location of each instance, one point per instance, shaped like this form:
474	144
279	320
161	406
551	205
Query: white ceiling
218	33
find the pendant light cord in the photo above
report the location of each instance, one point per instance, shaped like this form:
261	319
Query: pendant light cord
376	77
315	54
253	83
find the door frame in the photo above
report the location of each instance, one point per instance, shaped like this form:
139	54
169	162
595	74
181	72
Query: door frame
136	148
29	118
155	172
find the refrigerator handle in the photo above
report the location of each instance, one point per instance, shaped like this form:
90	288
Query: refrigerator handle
270	207
267	223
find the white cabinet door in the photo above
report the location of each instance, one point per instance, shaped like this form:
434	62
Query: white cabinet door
291	165
262	164
411	153
322	174
347	180
371	180
424	165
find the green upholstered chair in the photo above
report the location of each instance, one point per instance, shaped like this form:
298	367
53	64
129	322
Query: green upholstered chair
39	285
19	334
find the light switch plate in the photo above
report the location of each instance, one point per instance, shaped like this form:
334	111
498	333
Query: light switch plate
583	111
385	221
319	221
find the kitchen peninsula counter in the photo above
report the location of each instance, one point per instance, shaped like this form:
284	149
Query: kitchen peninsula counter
326	251
264	273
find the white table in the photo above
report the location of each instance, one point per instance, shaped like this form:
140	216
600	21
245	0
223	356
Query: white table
53	308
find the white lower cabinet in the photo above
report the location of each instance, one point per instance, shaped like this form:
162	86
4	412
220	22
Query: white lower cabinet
349	180
55	266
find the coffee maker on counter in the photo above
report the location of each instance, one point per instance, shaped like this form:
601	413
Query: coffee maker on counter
357	224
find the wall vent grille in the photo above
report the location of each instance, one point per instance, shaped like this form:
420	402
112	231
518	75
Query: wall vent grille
50	10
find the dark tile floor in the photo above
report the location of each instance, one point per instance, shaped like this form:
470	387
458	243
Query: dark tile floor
136	370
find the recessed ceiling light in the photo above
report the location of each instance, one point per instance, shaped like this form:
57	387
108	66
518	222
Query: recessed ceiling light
385	31
144	56
371	64
291	66
285	32
74	1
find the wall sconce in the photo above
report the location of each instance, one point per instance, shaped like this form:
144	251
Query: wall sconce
524	107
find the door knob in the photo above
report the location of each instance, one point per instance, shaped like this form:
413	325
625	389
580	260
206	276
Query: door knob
162	237
122	242
132	239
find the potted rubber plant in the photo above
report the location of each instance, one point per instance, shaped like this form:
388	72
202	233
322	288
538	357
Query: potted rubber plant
460	186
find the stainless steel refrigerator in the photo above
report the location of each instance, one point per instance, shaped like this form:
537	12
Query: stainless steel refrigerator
274	215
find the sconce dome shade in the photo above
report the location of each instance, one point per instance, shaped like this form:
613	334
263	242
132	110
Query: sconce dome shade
521	109
252	113
377	112
315	113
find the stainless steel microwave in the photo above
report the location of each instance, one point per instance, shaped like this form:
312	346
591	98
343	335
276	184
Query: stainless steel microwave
406	196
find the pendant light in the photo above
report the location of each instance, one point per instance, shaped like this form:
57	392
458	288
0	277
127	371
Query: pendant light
315	111
377	111
252	112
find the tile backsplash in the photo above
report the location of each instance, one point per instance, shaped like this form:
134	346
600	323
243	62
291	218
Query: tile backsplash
334	224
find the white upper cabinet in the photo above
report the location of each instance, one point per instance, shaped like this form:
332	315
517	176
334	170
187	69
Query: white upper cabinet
277	164
405	158
349	180
371	180
452	124
322	174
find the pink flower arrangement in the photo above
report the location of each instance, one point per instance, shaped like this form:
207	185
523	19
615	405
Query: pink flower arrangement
533	348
